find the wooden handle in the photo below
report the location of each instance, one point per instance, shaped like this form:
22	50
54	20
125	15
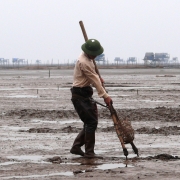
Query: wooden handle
86	38
83	30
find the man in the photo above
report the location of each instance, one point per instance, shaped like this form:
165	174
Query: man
85	76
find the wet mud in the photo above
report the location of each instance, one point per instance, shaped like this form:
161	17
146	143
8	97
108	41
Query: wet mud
37	128
143	114
171	130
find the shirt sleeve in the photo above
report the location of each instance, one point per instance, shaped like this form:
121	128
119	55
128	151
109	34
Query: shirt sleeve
93	77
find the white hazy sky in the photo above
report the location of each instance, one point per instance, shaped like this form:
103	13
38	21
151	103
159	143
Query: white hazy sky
49	29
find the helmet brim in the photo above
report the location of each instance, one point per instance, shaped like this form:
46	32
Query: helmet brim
92	53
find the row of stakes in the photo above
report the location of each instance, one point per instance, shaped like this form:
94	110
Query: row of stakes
58	86
58	90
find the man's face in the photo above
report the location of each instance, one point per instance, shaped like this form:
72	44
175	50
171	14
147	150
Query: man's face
91	57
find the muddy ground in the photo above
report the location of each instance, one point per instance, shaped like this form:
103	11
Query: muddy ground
38	125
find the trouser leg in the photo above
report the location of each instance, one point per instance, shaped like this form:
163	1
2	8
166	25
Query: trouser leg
87	112
78	142
89	145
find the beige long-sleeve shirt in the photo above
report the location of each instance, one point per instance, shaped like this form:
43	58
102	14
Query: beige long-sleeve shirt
85	75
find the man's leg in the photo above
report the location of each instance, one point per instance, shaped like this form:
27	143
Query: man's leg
90	128
87	111
80	139
78	142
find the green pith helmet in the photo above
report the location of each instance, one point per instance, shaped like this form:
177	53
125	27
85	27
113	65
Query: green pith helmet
92	47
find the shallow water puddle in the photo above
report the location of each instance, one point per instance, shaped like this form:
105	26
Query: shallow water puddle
68	173
8	163
22	96
68	163
32	159
112	166
134	156
15	128
38	121
35	158
129	155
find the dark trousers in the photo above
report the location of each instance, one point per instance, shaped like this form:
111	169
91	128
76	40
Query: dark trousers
86	109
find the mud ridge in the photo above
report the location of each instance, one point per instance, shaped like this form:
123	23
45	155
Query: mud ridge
68	129
36	113
171	130
144	114
163	157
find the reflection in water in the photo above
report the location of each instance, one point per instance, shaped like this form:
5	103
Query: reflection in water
8	163
15	128
38	121
112	166
88	161
27	157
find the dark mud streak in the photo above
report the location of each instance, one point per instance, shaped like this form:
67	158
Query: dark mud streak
163	157
171	130
144	114
68	129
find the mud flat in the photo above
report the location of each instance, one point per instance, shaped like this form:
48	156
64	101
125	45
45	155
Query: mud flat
38	125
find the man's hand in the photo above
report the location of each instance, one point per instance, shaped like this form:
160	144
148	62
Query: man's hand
108	101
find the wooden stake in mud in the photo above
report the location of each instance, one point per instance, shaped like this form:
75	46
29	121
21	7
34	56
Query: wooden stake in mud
112	110
49	73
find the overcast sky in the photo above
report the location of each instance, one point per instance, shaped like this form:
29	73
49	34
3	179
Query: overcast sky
49	29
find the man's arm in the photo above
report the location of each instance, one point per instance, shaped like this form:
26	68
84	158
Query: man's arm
94	79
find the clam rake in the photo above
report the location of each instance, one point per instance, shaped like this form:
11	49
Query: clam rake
123	128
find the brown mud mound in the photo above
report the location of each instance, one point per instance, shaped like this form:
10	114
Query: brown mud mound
55	159
163	157
36	113
148	114
144	114
68	129
171	130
